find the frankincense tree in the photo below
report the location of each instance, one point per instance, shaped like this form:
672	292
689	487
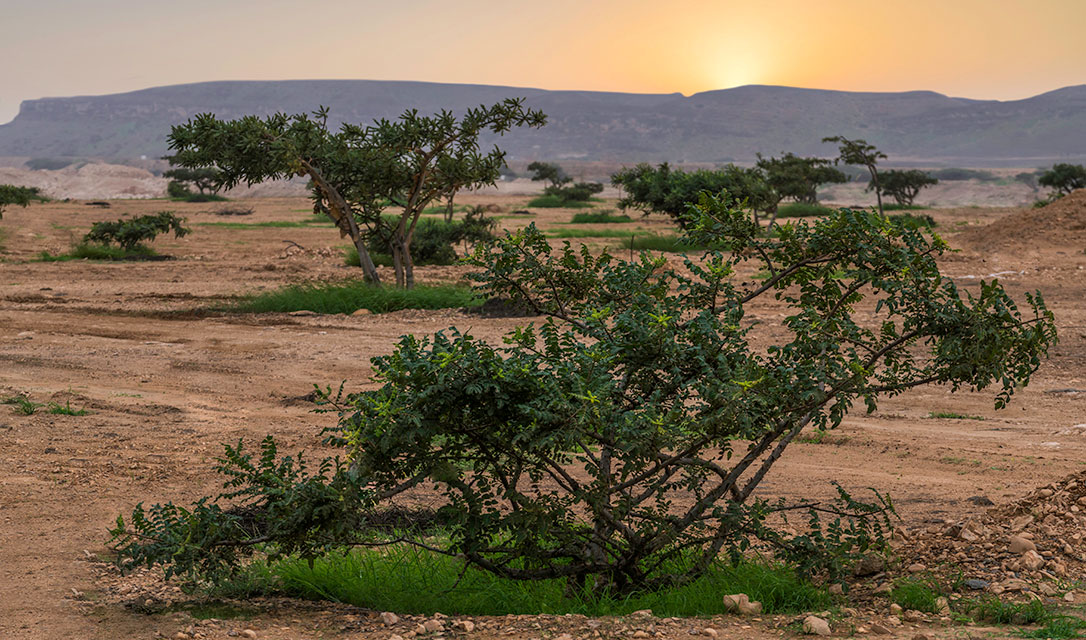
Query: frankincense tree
618	443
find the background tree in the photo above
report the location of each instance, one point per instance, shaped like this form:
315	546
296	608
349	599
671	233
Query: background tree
619	444
549	172
129	233
799	178
205	179
860	153
903	186
19	196
358	172
662	189
1063	178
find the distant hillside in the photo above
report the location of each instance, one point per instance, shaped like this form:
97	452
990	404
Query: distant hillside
716	126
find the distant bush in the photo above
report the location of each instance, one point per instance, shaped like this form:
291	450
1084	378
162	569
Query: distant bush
550	201
893	206
912	222
233	210
348	297
19	196
1064	178
130	233
86	251
434	241
954	174
802	210
48	164
602	217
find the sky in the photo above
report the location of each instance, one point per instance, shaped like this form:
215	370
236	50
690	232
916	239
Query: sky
985	49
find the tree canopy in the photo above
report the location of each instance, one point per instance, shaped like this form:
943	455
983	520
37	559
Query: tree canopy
1064	178
18	196
903	185
799	178
549	172
205	179
858	152
359	171
662	189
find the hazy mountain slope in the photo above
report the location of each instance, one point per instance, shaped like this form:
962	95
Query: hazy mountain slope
715	126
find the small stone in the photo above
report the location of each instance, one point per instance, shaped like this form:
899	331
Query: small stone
942	606
869	565
432	626
362	312
302	313
642	613
976	584
709	631
395	636
881	630
564	636
893	621
390	618
1045	493
884	588
968	535
912	615
750	608
181	635
248	633
467	626
1032	560
836	589
641	634
895	609
981	501
916	567
1069	596
815	626
1018	544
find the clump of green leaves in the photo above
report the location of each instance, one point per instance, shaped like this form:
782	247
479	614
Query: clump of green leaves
22	404
132	232
19	196
617	445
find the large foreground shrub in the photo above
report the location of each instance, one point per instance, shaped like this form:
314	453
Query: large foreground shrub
618	444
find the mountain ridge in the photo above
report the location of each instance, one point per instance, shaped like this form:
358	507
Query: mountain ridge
725	125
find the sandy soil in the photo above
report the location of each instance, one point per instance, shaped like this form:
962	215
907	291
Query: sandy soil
164	388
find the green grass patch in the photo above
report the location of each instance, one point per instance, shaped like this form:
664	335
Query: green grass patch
600	217
992	609
409	580
348	297
950	415
201	197
802	210
565	232
554	202
22	405
271	224
65	409
916	593
669	243
893	206
1057	627
87	251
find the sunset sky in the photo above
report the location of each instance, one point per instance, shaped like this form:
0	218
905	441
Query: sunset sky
1001	49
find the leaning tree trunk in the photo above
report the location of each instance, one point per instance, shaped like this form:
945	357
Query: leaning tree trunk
878	189
340	213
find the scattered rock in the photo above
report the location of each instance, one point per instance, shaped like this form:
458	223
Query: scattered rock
884	588
302	313
881	630
467	626
740	603
895	609
836	589
709	631
248	633
916	567
432	626
362	312
976	584
912	615
868	565
815	626
981	501
1018	544
390	618
641	634
942	606
1032	560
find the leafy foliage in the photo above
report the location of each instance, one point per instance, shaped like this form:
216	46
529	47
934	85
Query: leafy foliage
549	172
859	153
435	240
1063	178
359	171
799	178
672	191
129	233
19	196
576	192
618	444
205	179
903	185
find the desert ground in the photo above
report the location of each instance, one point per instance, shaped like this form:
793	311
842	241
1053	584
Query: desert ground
166	384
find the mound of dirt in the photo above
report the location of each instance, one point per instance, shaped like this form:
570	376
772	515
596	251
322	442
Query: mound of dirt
1061	223
1027	545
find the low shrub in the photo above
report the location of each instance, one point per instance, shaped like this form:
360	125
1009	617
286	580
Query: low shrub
548	201
916	593
913	222
601	217
562	232
87	251
802	210
348	297
131	232
894	206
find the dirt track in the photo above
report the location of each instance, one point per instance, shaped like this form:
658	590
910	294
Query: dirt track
165	389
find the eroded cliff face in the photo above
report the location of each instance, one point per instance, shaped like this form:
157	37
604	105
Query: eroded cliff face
730	125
